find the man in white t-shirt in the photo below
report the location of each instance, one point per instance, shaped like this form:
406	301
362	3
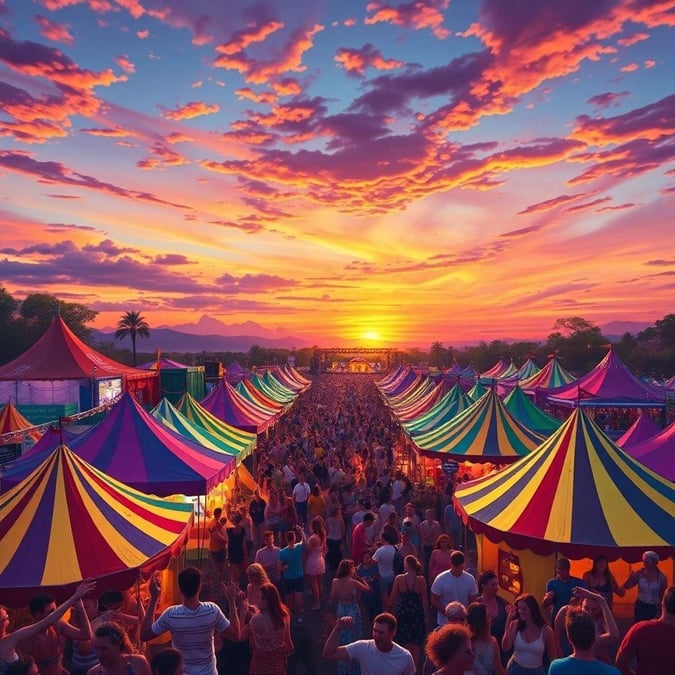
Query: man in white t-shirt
193	623
453	585
301	494
379	656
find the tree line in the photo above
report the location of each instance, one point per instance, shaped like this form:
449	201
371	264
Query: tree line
577	342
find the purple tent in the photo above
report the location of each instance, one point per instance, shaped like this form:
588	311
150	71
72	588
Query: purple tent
658	452
133	447
642	429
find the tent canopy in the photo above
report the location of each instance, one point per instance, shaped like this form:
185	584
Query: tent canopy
577	494
225	403
11	421
68	521
658	452
484	432
550	376
60	355
642	429
163	363
520	406
445	409
133	447
609	384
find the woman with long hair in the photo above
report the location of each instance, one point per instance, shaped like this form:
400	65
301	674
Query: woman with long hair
269	634
410	604
651	583
449	649
485	648
600	579
530	637
273	512
439	560
256	578
345	590
315	567
115	653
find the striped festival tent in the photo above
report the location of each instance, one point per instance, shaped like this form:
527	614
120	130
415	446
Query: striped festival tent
68	521
577	494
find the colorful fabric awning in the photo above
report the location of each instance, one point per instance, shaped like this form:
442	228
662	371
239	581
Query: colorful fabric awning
476	392
445	409
221	438
643	428
550	376
132	446
577	494
520	406
227	405
12	421
68	521
658	453
484	432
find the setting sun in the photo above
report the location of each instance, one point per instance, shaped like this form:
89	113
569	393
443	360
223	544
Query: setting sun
371	335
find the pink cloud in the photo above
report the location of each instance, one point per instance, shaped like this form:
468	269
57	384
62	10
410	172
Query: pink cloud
162	156
191	110
649	63
588	205
548	204
248	36
56	32
257	97
125	64
417	15
630	68
114	132
143	34
355	61
630	40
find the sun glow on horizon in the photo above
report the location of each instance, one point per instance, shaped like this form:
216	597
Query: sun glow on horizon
372	336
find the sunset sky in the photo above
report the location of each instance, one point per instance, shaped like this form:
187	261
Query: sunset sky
375	172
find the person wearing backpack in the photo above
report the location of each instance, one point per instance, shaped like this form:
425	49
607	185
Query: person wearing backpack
384	557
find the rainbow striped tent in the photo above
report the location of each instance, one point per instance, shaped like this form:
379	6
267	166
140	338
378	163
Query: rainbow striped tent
68	521
550	376
520	406
257	398
229	406
445	409
484	432
12	421
132	446
476	392
577	494
504	368
222	438
419	406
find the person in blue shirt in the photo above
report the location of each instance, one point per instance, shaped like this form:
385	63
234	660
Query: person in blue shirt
560	590
580	629
290	565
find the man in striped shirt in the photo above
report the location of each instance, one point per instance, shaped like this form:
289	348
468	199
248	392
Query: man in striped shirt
193	623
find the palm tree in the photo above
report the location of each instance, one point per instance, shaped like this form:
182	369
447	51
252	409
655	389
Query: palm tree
132	324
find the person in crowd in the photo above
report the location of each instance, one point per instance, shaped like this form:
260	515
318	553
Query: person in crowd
440	558
269	633
651	643
290	566
315	565
256	511
449	649
375	657
83	656
581	634
345	591
167	661
273	512
256	576
384	557
430	530
335	536
455	612
360	542
115	653
316	504
192	623
409	603
560	589
453	584
407	547
247	524
651	583
368	572
236	549
268	557
453	524
45	644
301	493
606	630
487	652
217	542
601	580
10	641
530	638
497	607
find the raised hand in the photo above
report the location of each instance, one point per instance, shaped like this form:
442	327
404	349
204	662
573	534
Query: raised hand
84	588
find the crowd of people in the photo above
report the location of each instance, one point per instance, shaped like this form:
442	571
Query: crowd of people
336	529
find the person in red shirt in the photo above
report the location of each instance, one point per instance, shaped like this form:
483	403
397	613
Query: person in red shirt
360	543
651	643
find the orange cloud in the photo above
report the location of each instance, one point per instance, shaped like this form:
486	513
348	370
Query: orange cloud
56	32
143	34
630	40
257	97
417	15
287	86
177	137
162	156
191	110
357	60
115	132
649	63
630	68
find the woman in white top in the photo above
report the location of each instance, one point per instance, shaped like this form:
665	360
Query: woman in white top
488	658
651	583
530	637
